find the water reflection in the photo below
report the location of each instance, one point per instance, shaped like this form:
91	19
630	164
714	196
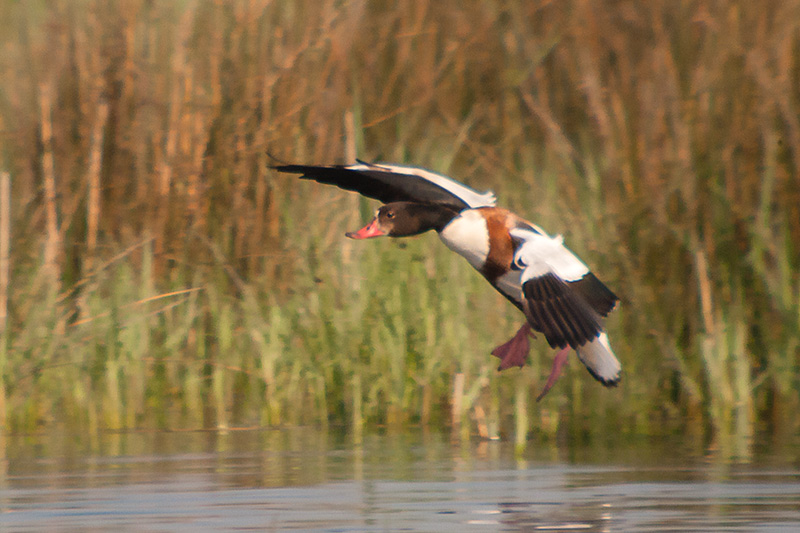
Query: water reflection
306	479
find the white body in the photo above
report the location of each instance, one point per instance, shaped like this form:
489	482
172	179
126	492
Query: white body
468	236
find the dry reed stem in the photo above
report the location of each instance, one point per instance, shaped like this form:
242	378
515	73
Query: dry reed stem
704	282
93	204
5	248
52	242
89	319
167	153
456	401
480	422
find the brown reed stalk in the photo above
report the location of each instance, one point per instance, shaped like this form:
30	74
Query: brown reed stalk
5	253
457	402
166	154
93	203
53	240
261	198
195	205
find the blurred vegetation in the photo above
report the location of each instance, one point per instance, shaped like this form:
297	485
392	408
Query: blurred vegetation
160	274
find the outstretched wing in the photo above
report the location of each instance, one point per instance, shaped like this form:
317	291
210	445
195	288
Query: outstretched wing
565	301
395	183
561	297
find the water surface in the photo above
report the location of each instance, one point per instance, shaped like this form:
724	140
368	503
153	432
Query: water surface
307	479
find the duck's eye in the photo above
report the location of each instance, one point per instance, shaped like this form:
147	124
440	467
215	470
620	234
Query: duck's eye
390	214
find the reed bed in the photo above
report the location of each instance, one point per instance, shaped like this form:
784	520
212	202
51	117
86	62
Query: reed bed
160	274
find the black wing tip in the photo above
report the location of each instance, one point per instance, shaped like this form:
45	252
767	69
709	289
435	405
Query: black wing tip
596	293
311	172
282	165
299	169
294	169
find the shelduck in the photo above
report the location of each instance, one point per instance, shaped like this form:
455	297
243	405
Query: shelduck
559	295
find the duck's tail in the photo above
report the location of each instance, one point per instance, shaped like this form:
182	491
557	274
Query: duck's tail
600	360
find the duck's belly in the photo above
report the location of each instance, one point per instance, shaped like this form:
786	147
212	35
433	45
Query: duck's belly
468	236
510	285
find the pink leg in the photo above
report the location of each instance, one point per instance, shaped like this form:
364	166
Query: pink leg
515	351
558	363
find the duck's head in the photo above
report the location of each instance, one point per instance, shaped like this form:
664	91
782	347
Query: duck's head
404	219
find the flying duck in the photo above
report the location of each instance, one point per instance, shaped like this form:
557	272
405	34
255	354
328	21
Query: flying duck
556	291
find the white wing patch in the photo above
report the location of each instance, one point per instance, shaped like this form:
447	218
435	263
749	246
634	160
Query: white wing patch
469	196
540	254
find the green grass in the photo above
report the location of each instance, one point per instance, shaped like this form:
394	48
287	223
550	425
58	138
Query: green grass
661	138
